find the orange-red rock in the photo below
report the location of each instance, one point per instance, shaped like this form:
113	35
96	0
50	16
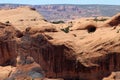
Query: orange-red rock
78	54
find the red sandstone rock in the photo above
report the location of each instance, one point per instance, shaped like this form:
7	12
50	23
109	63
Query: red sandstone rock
114	21
6	71
55	54
8	46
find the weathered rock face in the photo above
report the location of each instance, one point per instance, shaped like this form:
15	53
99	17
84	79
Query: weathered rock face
22	17
8	45
60	59
76	55
28	71
115	20
47	52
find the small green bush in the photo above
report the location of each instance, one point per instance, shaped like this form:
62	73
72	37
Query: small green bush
66	30
57	22
7	23
102	19
95	19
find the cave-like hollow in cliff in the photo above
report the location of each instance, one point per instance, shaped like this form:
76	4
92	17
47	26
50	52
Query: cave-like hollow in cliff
91	28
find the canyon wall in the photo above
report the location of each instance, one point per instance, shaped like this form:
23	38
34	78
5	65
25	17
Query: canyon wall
43	50
58	60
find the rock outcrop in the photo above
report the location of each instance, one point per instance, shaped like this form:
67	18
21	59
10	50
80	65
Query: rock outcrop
8	45
114	21
42	51
81	57
6	71
22	17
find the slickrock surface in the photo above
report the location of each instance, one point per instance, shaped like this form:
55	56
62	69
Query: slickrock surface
22	17
88	51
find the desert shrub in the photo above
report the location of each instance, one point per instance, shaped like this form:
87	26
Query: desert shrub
66	30
95	19
7	23
57	22
102	19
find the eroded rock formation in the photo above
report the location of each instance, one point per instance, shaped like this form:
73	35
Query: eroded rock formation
8	45
46	51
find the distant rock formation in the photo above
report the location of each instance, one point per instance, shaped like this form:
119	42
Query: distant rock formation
66	12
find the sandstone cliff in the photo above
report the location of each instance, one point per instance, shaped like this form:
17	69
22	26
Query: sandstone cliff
87	52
